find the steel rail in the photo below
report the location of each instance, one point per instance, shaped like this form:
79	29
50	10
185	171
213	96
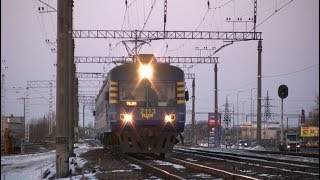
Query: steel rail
209	170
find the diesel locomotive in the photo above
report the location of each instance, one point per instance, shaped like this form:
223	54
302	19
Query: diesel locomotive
141	107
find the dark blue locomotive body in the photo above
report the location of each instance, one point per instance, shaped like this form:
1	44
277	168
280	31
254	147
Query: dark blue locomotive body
142	110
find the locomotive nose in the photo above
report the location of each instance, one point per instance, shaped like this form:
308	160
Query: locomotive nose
147	132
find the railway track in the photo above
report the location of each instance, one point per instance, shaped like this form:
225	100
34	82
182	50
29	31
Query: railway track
252	164
287	153
173	168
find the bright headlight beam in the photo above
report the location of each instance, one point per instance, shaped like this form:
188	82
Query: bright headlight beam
127	118
167	118
145	71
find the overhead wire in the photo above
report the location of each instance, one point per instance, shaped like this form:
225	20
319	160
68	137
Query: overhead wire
42	30
285	74
137	11
124	17
293	72
277	10
204	17
53	26
151	9
42	26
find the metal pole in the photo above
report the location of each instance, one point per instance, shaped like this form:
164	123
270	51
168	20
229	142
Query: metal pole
243	113
259	92
62	154
216	117
2	104
251	106
83	116
233	121
252	134
71	74
281	130
193	111
24	110
254	17
76	109
26	121
50	108
238	114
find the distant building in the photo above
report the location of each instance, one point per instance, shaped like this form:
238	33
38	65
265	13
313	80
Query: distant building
15	124
269	129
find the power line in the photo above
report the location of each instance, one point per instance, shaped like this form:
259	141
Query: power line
203	18
277	10
285	74
154	2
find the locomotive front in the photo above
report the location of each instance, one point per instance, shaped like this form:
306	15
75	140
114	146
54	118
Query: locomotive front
146	105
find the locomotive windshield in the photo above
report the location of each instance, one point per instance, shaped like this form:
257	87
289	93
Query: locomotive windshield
147	94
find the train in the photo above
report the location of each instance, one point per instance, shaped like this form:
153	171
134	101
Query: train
141	106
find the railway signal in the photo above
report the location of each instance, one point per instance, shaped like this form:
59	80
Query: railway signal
283	93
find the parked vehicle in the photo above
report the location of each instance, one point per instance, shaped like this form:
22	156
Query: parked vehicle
291	143
243	143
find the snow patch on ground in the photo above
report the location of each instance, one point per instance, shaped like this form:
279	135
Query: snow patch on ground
203	175
257	148
35	166
177	166
190	159
136	167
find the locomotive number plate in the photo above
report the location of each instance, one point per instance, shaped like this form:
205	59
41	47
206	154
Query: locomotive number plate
147	112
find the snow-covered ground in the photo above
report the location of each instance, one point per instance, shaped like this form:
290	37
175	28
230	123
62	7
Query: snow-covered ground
33	166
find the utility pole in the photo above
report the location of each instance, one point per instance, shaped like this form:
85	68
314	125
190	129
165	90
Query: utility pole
193	113
24	108
165	15
3	101
50	109
238	114
216	115
83	116
62	107
233	137
71	80
267	114
227	122
76	111
252	112
259	91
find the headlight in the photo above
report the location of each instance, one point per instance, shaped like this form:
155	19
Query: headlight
127	118
245	144
288	147
145	71
298	146
169	118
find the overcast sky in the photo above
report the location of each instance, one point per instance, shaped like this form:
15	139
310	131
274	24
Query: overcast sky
290	47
